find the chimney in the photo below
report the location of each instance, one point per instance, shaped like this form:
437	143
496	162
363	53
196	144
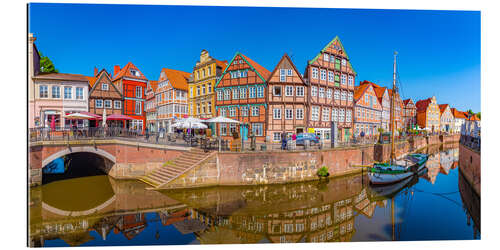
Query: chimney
116	69
95	71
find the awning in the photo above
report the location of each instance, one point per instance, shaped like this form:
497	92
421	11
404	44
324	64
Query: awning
118	117
93	116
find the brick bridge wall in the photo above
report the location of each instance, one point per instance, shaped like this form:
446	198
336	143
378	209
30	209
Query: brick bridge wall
131	160
470	166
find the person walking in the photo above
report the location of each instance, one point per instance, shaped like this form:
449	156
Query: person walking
147	134
283	141
294	141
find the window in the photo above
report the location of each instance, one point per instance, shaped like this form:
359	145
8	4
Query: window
277	113
321	92
219	95
260	92
330	76
289	91
105	86
350	96
289	72
209	87
138	107
299	114
337	63
117	104
329	93
326	115
314	91
257	129
326	57
300	91
343	79
289	114
44	91
209	71
223	129
344	62
223	112
243	93
351	81
251	92
282	75
67	92
337	94
98	103
343	96
255	111
334	114
203	72
315	113
288	228
276	136
107	104
203	87
244	111
198	90
134	72
227	94
79	93
341	115
314	73
56	92
299	227
323	74
348	116
232	128
277	90
138	91
232	111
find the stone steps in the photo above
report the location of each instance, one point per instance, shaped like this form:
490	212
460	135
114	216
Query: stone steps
175	168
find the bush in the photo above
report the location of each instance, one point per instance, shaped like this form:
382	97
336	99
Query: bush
323	172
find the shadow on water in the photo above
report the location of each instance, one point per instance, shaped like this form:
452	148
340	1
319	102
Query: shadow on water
74	165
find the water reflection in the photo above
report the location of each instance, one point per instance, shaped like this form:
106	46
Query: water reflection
438	205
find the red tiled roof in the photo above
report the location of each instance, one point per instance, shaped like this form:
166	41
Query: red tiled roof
178	79
405	102
442	108
422	105
125	71
360	90
61	76
262	71
475	118
91	80
458	114
222	64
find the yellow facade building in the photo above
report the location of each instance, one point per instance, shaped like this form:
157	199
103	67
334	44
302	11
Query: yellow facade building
201	88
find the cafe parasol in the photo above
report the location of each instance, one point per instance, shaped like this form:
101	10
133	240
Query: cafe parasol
223	120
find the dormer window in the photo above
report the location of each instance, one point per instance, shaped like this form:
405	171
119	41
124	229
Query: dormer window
135	73
105	86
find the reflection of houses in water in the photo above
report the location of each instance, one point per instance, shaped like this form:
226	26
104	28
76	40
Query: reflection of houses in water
446	161
131	225
433	165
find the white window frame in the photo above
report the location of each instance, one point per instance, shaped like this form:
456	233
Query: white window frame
276	136
260	92
105	86
140	107
138	91
330	76
325	114
343	96
334	114
288	114
336	94
351	81
70	93
77	96
321	92
43	91
315	113
329	93
99	103
243	93
109	104
232	111
219	95
299	91
257	129
227	94
344	62
326	57
343	79
276	113
288	90
314	73
323	75
251	92
255	110
119	106
299	114
282	75
244	111
58	91
289	72
314	90
350	96
236	94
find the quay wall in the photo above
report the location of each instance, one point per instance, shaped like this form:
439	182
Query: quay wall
470	166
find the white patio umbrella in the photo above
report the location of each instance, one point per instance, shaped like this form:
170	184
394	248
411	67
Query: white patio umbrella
222	119
79	116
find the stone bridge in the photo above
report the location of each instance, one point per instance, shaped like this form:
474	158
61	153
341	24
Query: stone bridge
123	159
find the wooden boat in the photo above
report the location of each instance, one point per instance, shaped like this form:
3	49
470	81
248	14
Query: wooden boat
396	170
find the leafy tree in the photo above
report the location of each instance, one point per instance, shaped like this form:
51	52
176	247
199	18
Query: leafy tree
479	115
46	65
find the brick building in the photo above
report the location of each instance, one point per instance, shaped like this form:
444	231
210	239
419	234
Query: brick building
132	83
241	95
409	114
367	110
428	114
287	96
331	77
104	94
150	107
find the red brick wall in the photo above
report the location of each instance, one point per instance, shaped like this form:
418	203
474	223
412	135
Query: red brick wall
470	165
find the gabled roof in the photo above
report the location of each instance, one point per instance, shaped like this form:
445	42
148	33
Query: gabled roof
360	90
407	101
178	79
125	72
263	72
92	80
458	114
222	64
442	108
423	104
286	57
328	45
98	77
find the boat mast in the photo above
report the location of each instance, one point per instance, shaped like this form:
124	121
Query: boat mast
393	156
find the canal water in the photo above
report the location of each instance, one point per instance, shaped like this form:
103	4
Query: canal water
100	211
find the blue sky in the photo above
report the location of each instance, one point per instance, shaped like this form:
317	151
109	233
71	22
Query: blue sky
439	51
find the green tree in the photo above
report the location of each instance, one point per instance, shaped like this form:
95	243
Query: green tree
46	65
479	115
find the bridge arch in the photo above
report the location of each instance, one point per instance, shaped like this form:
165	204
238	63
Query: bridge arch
84	149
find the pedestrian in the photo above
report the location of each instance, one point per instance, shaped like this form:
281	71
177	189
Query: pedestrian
294	141
283	141
147	134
